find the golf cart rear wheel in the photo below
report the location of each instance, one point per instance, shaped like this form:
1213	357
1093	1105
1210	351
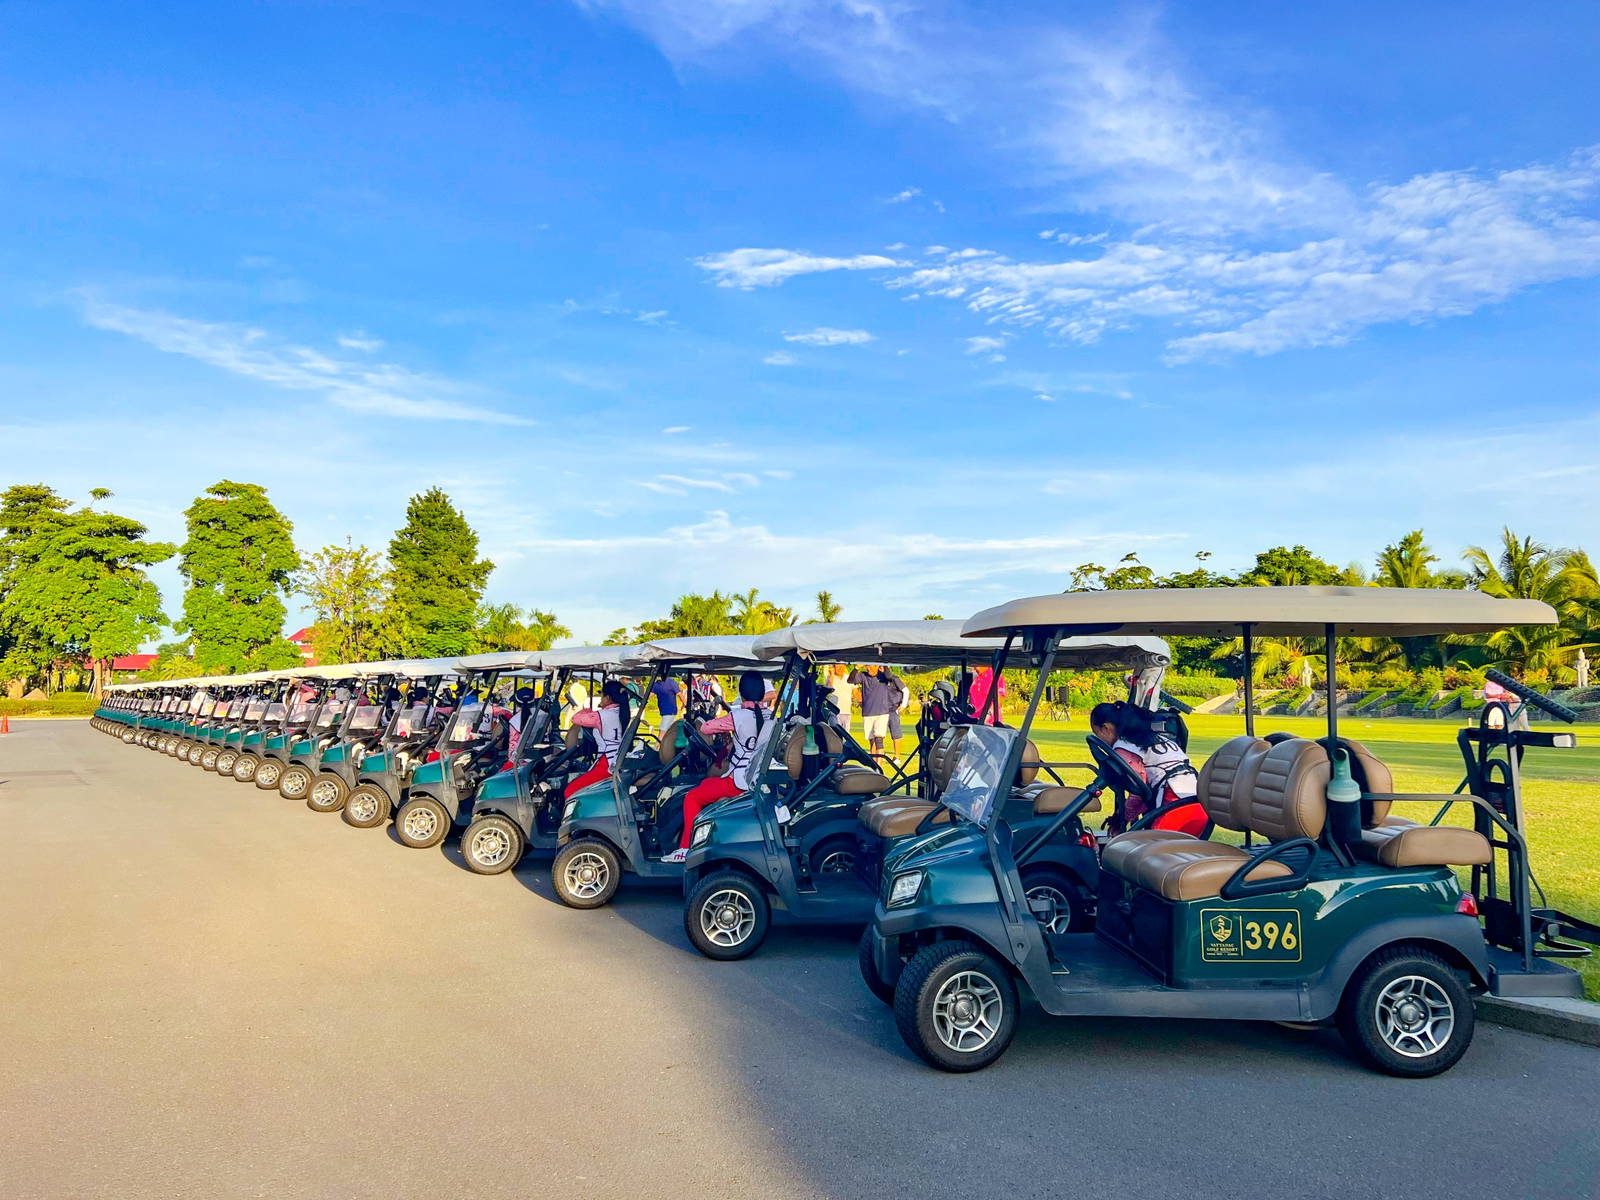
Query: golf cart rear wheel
294	784
1406	1012
868	965
366	806
225	762
955	1005
834	856
268	774
421	823
326	793
196	752
492	845
244	767
727	916
586	873
208	758
1061	906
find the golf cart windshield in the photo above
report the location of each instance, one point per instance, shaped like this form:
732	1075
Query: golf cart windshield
411	720
975	783
330	713
300	710
253	710
462	727
364	719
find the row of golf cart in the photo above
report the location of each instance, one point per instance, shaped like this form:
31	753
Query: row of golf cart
1295	885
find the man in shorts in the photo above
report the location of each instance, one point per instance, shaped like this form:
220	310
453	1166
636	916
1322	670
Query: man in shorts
878	700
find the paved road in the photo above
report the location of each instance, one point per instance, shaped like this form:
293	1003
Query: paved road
206	990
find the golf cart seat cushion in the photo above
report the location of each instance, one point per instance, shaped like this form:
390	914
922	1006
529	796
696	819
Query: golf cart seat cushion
853	780
1288	797
1049	798
794	750
1028	768
898	818
1120	851
1373	776
1226	778
942	756
573	736
1423	846
1192	869
667	748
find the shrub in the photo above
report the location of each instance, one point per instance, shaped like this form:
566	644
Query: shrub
1199	687
62	704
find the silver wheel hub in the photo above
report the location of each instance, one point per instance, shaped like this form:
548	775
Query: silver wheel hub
1059	915
1415	1016
490	846
325	793
294	782
587	875
837	862
363	808
727	917
420	823
967	1010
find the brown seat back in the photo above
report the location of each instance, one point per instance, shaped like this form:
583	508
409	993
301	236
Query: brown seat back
1226	776
1377	776
1028	768
668	749
942	756
1289	795
572	737
829	741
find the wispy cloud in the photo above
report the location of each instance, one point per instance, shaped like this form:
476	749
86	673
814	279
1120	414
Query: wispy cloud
378	389
672	429
361	341
823	335
900	197
752	268
780	358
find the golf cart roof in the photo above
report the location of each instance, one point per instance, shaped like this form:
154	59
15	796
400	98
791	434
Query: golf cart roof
411	668
576	658
1269	611
516	662
724	653
941	644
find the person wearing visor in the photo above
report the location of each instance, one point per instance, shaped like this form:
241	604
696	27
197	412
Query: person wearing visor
743	725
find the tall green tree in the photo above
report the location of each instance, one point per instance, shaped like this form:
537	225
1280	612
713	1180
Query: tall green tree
347	586
828	609
25	653
503	627
80	587
1285	566
436	578
1526	569
239	561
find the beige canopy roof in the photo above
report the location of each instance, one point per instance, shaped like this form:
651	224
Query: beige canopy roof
1269	611
720	653
941	644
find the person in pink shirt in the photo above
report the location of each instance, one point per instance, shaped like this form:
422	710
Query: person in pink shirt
609	721
743	724
978	696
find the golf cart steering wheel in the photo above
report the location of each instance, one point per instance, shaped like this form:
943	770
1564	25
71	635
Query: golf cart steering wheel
1122	779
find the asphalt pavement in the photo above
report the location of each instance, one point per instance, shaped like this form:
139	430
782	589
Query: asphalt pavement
207	990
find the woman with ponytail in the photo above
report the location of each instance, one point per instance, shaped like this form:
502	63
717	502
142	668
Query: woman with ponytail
608	722
743	724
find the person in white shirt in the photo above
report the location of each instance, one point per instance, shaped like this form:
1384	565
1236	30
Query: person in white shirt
609	722
744	725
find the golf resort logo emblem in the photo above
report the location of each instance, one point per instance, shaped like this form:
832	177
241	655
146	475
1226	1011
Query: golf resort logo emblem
1221	928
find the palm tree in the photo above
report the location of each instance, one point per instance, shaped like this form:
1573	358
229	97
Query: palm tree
1530	570
542	630
827	610
1406	564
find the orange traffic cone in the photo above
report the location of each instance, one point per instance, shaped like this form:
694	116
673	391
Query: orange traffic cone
5	724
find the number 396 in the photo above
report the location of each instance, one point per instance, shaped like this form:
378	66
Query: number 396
1269	934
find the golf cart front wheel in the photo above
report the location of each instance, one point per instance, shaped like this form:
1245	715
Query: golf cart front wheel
225	762
868	966
421	823
727	916
197	751
366	806
294	784
955	1005
244	767
1406	1012
586	873
327	793
209	758
492	845
268	774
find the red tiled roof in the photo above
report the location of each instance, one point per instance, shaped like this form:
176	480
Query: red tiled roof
301	637
132	662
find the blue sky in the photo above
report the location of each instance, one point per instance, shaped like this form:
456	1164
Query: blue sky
920	302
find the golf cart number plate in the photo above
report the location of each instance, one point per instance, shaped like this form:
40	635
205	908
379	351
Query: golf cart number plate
1257	935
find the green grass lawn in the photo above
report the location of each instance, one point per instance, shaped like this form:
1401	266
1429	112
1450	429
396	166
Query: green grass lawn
1561	790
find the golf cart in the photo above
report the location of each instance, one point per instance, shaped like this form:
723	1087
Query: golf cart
818	808
353	704
520	808
412	725
228	716
631	820
1336	910
473	745
263	708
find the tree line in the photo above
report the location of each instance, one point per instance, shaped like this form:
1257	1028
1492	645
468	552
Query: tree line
75	593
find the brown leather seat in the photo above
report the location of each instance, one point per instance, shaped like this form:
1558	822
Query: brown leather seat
1280	794
1414	845
891	812
828	741
1048	799
898	818
852	779
1227	773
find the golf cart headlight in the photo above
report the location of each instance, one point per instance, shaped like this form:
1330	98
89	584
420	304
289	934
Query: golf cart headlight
702	835
572	807
905	888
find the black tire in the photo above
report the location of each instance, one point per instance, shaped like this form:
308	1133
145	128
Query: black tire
225	762
268	774
366	806
727	916
492	845
196	752
294	783
327	793
1070	912
1407	1012
208	758
421	823
876	984
573	886
244	767
928	997
834	856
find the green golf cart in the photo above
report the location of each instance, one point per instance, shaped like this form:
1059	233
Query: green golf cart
1336	908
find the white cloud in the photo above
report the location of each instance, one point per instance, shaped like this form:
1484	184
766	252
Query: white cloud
823	335
671	429
985	345
752	268
359	341
901	197
778	474
379	389
780	358
658	317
